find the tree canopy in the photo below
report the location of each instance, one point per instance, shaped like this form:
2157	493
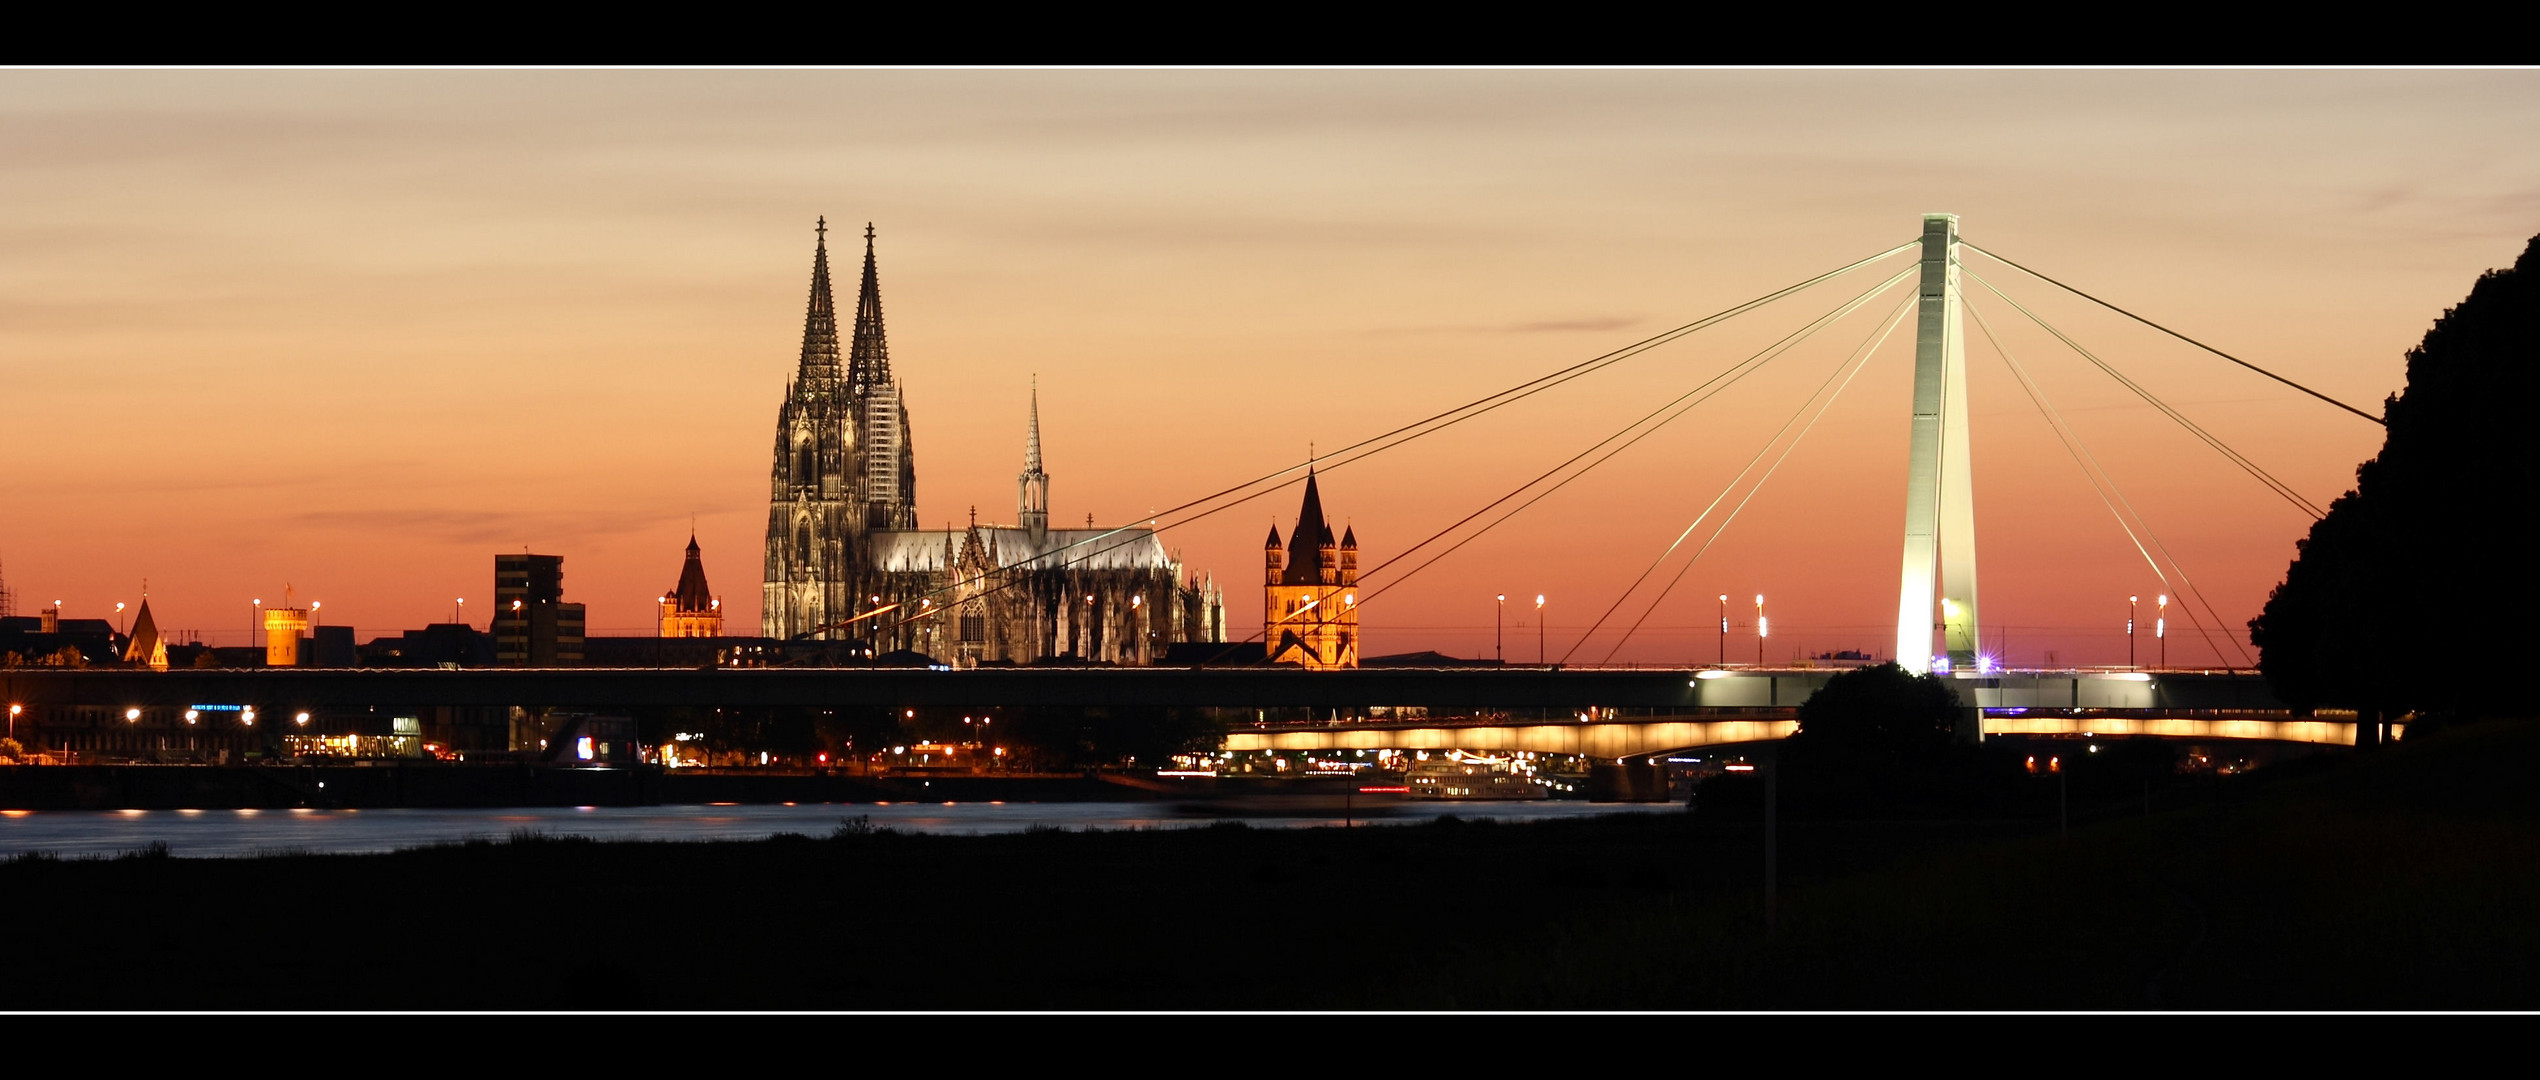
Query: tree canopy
2418	589
1882	711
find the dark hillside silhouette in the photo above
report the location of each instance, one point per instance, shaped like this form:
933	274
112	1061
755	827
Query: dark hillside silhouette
2420	590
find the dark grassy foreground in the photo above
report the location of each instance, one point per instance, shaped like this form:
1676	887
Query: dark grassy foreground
2404	879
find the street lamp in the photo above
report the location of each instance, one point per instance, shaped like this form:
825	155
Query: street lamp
1724	629
14	710
2161	628
1538	628
1499	631
118	616
1762	629
2130	602
455	605
255	607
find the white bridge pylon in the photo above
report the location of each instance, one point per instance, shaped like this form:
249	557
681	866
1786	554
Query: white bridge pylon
1938	588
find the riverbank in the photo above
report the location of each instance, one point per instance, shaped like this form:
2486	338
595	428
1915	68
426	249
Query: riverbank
2399	879
390	785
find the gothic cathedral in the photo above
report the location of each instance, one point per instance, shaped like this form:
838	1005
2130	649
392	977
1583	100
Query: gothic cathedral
846	560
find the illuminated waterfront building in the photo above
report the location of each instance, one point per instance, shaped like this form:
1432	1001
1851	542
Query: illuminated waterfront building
1310	604
846	561
689	610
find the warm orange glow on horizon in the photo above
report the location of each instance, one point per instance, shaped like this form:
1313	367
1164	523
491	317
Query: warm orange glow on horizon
365	330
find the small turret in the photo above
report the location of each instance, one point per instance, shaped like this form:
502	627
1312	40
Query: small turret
1349	556
1274	558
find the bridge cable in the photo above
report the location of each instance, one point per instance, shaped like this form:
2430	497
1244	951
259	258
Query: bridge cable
1432	424
1733	374
2281	488
2180	336
2097	475
1714	385
1855	363
1419	428
2081	454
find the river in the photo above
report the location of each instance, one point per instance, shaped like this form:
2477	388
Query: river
244	833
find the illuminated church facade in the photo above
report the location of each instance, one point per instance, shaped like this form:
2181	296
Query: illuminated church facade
846	561
1310	590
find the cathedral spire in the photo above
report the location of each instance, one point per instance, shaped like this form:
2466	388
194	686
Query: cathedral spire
869	357
820	322
1034	511
1032	444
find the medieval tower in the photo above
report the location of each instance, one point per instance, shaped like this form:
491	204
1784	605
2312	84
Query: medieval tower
1310	603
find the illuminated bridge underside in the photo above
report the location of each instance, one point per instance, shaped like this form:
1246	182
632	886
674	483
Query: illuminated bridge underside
2287	729
1626	737
1606	739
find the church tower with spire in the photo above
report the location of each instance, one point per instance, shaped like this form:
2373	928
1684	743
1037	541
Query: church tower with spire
1033	509
1310	601
890	470
690	609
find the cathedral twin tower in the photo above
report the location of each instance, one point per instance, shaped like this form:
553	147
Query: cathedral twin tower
846	560
843	463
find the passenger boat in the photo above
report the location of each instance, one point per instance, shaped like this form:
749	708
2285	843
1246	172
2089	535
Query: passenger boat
1469	780
1365	794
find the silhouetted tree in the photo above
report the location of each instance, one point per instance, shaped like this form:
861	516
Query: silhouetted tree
2418	589
1880	712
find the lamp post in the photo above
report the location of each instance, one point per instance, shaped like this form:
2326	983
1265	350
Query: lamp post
1538	628
118	617
1724	630
255	608
1499	630
455	605
2161	627
2130	603
1762	629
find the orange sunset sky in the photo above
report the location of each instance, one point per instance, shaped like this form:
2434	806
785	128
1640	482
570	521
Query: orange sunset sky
359	331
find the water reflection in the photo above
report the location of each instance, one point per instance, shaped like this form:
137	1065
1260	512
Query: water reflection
231	833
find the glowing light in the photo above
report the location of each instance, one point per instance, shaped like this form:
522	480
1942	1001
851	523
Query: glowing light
132	714
1714	674
303	719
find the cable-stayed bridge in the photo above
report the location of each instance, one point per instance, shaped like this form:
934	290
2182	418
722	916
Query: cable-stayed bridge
1938	623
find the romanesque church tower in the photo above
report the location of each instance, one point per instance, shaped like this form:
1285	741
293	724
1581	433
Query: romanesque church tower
1310	590
843	466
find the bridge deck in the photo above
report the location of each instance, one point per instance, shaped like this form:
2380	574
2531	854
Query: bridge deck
1451	689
